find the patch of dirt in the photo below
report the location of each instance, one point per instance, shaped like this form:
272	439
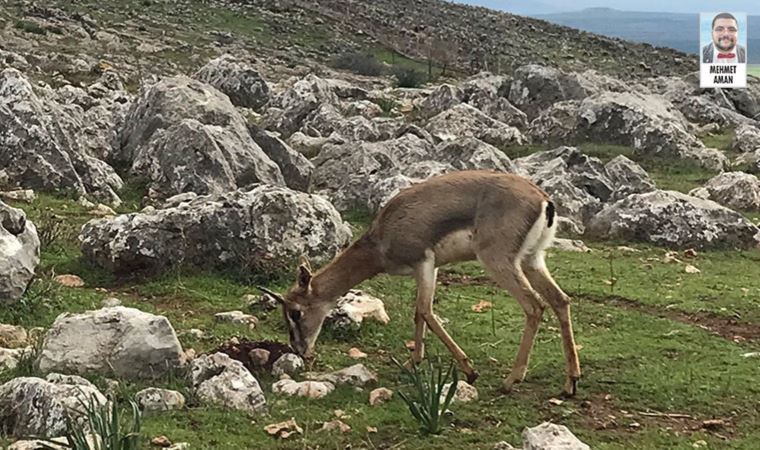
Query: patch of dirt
239	349
726	327
460	279
600	412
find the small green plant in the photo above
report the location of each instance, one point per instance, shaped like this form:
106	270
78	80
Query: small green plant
359	63
30	27
103	425
387	104
426	400
407	77
53	229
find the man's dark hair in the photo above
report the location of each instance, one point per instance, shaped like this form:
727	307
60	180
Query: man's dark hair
724	16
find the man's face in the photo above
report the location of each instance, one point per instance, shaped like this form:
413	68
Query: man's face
724	34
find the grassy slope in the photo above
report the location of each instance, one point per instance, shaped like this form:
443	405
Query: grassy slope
638	361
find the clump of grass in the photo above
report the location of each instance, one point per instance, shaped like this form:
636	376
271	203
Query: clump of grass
30	27
52	230
387	105
359	63
427	401
721	140
105	427
407	77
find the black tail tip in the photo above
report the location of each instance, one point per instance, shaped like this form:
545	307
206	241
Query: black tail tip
550	214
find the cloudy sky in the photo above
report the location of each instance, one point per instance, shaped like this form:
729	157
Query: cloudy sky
682	6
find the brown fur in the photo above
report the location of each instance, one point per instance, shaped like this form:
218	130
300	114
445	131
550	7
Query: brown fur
423	214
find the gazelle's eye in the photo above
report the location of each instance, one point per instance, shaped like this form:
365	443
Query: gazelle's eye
295	315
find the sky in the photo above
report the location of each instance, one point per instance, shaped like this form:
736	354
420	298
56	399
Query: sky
682	6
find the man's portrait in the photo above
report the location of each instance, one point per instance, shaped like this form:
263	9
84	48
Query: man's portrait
724	47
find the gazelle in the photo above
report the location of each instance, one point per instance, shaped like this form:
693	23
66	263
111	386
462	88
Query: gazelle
502	220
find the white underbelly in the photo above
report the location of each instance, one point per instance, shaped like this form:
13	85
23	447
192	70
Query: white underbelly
456	246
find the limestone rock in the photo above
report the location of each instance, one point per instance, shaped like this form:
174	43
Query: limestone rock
184	135
289	364
309	389
379	396
549	436
220	380
356	375
119	341
261	229
735	190
36	407
354	307
465	392
241	83
673	219
19	253
464	120
155	399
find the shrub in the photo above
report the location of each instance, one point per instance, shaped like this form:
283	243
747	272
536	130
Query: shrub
407	77
53	230
387	104
426	400
30	27
359	63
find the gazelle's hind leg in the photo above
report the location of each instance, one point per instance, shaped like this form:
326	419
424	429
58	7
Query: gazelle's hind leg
542	281
511	278
425	273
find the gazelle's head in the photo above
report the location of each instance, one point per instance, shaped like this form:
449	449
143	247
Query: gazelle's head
304	311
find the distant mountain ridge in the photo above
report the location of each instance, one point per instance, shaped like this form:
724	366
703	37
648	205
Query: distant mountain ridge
674	30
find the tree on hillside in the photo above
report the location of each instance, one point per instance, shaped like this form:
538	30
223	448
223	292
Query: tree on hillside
443	52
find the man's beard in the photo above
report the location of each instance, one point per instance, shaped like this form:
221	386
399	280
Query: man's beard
719	46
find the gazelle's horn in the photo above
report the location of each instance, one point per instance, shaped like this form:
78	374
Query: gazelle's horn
276	296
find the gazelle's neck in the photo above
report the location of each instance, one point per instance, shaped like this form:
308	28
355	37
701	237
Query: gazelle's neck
355	264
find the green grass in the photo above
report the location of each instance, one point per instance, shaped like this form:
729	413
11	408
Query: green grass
638	358
753	69
30	27
396	60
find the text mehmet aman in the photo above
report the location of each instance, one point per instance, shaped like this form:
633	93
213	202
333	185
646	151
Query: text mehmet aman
721	74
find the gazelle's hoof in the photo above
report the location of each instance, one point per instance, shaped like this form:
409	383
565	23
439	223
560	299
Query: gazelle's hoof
508	384
472	376
571	387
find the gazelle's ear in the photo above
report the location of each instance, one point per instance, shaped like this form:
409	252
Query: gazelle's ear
304	277
304	261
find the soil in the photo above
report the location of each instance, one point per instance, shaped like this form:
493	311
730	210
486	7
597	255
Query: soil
601	413
725	327
454	278
240	348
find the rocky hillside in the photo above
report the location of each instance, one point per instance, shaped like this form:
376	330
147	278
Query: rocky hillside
483	39
70	40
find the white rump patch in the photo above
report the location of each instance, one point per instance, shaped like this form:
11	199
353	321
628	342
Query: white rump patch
538	239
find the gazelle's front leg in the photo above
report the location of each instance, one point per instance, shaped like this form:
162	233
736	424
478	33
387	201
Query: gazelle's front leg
425	274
